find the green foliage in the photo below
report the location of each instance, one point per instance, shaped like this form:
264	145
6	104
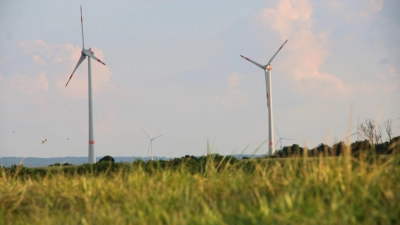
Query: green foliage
106	158
202	164
355	149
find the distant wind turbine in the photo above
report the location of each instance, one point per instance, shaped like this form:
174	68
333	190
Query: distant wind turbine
44	141
357	132
90	54
280	138
151	143
267	68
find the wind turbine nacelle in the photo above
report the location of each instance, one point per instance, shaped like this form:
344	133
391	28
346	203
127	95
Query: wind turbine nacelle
87	51
269	67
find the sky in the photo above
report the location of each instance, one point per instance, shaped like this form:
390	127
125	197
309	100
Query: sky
173	68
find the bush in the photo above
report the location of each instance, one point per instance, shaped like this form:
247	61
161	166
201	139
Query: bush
107	158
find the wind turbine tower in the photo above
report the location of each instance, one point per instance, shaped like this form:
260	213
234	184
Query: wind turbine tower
90	54
267	69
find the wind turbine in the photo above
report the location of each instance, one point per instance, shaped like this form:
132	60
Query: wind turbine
151	144
90	54
267	68
357	132
280	138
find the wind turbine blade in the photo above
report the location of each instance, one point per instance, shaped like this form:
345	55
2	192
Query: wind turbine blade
276	53
158	136
81	59
287	139
146	134
278	142
277	131
83	40
89	54
351	135
255	63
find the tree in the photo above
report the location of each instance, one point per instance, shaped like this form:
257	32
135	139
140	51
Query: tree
107	158
378	134
388	129
289	151
368	130
321	149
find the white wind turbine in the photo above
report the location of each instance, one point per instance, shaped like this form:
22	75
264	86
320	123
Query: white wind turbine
267	68
90	54
280	138
151	143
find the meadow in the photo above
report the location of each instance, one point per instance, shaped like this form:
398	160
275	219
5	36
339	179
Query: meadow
209	190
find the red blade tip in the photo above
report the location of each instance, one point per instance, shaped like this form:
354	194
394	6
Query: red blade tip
244	57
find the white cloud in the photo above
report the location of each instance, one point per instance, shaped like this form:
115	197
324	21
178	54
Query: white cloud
37	59
5	59
232	96
335	4
365	10
234	80
308	49
28	84
31	88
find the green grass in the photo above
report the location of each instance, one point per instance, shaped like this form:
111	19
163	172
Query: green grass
340	190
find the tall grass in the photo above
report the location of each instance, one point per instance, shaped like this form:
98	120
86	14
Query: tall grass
340	190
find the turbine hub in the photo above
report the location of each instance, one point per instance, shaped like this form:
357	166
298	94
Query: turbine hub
269	67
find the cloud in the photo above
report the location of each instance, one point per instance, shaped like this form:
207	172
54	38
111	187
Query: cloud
335	4
37	59
308	49
368	10
232	96
234	80
4	60
21	86
38	46
27	84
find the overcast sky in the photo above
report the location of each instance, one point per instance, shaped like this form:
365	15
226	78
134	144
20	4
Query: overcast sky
173	68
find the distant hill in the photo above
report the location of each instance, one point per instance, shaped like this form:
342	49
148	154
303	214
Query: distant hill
43	162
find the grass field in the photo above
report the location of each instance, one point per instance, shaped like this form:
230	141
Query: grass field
340	190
